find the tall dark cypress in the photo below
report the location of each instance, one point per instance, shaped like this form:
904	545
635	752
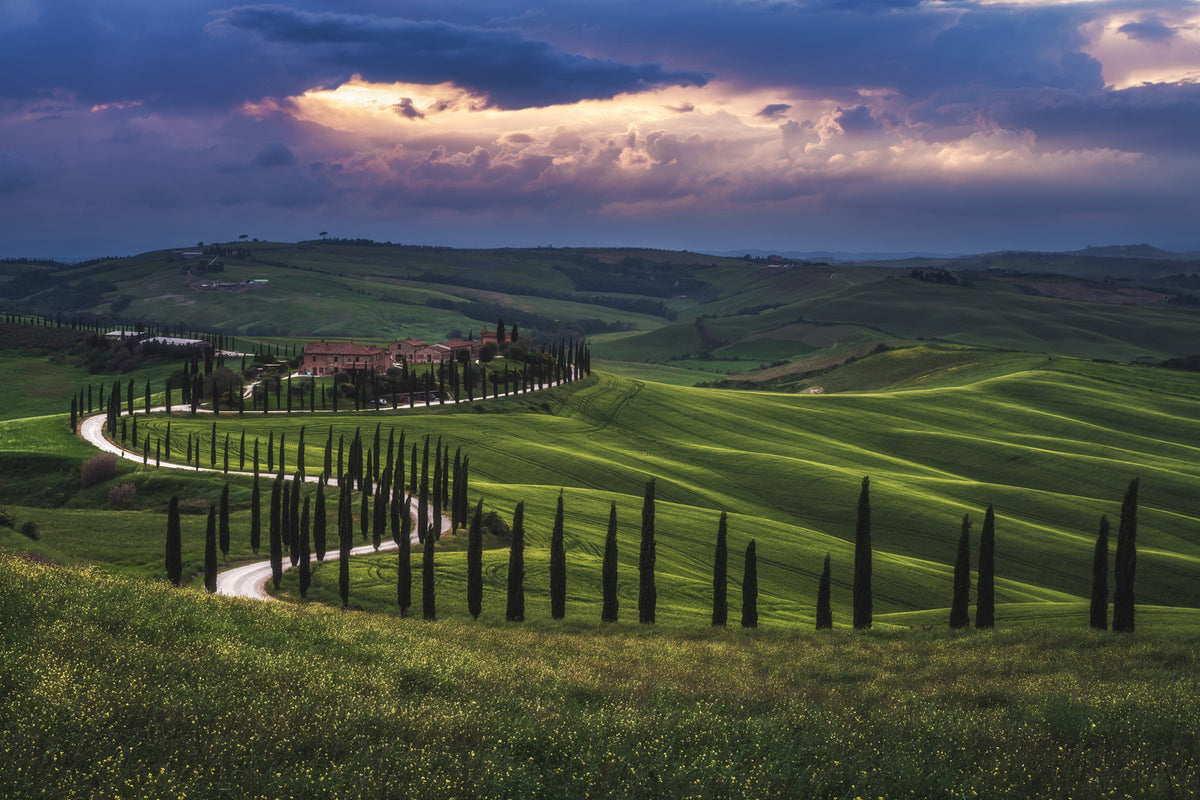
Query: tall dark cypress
436	488
223	522
863	600
210	550
610	606
174	543
456	515
293	518
319	522
305	568
255	516
515	607
364	514
345	539
379	522
558	565
413	475
428	595
985	596
647	590
1125	563
1099	615
275	532
475	564
720	598
959	607
824	606
404	576
750	587
423	498
327	463
271	452
300	454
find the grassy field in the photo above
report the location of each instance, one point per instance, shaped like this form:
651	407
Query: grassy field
133	689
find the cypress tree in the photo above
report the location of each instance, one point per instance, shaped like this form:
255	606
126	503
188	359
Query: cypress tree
647	591
1099	615
300	454
305	553
558	565
271	452
327	464
413	475
436	488
985	596
345	540
608	578
174	543
274	534
720	602
74	412
959	606
515	608
319	521
428	597
242	452
256	456
380	520
364	515
475	564
223	522
750	588
1125	563
255	516
404	576
824	607
423	498
293	534
282	451
456	517
341	454
863	601
210	550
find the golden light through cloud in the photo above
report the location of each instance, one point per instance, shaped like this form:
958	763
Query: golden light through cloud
1128	61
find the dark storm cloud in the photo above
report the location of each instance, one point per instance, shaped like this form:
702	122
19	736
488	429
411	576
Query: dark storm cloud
405	108
774	110
1150	28
276	154
513	71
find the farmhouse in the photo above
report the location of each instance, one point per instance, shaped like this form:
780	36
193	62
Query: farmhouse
329	358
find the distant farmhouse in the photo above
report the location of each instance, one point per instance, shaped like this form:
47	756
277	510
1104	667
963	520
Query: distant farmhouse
328	358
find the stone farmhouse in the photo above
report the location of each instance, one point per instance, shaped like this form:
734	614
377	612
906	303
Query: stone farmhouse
330	358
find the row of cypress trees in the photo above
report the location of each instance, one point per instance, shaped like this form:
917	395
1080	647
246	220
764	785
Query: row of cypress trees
290	526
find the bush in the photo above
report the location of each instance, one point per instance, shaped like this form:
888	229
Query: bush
98	469
8	519
30	530
120	495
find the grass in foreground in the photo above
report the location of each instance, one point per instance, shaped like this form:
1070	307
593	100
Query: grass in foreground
115	687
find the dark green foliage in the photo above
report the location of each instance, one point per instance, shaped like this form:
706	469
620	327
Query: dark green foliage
223	522
515	607
436	487
1125	562
210	550
319	521
379	521
275	531
345	539
404	573
423	497
750	588
428	595
558	565
985	596
475	563
863	599
647	591
293	518
720	601
174	543
255	515
271	451
1099	610
364	514
824	607
608	580
305	568
327	463
959	607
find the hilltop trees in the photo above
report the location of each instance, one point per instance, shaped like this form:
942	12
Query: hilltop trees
647	591
558	565
959	612
1099	609
608	579
863	602
515	608
985	598
1125	562
720	605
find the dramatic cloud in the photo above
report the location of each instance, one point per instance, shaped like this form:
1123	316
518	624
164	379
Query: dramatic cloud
823	124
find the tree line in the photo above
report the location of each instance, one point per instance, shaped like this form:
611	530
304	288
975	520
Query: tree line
435	491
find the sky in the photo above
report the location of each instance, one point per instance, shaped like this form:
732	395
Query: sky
707	125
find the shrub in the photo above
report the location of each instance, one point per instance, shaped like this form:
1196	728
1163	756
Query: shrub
30	530
98	469
8	519
120	495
